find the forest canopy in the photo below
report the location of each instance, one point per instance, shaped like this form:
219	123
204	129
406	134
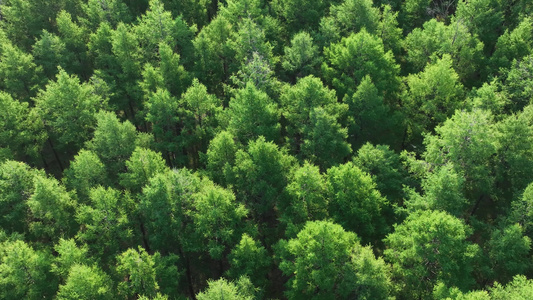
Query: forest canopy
266	149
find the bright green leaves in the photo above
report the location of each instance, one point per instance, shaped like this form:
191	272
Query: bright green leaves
139	273
357	56
217	218
369	119
326	262
252	114
306	198
438	39
429	247
355	203
24	272
86	282
312	114
68	110
105	223
52	211
242	289
432	96
302	57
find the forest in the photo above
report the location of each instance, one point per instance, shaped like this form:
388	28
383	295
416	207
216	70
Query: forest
266	149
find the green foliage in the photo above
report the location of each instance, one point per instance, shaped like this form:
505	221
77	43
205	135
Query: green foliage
104	222
16	187
301	58
511	45
357	56
438	39
305	198
169	192
221	157
86	282
69	255
355	203
520	288
242	289
24	272
430	247
432	96
68	110
249	258
113	142
142	165
466	141
386	169
137	269
326	262
509	252
216	216
253	114
51	211
260	177
369	118
85	172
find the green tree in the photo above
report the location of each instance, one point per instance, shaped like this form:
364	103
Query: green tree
326	262
249	258
509	253
369	118
298	104
137	267
355	203
299	15
252	114
221	157
483	18
325	140
512	44
443	190
198	114
242	289
260	177
49	51
430	247
438	39
349	16
68	110
520	288
20	130
170	192
97	12
466	141
348	62
305	198
21	77
24	272
301	58
517	84
216	216
386	168
113	142
214	58
104	223
51	210
75	38
85	172
141	166
432	96
16	188
86	282
68	255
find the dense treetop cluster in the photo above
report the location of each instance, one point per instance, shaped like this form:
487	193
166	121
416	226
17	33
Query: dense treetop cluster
266	149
